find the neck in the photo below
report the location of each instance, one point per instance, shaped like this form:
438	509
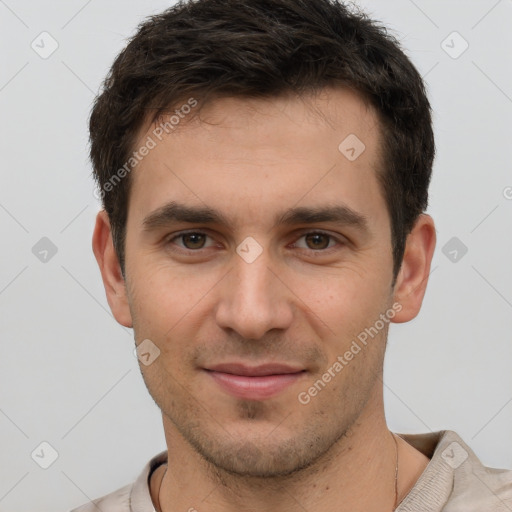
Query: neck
357	473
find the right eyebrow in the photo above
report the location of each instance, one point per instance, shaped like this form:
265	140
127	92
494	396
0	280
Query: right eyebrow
177	212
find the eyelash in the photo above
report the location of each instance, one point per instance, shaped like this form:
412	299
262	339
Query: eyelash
325	251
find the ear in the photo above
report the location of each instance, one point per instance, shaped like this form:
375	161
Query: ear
113	281
412	279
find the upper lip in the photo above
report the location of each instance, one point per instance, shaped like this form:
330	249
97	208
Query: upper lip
255	371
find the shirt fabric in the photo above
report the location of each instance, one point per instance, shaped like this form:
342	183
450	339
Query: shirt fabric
453	481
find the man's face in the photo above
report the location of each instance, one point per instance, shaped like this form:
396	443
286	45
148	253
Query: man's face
257	285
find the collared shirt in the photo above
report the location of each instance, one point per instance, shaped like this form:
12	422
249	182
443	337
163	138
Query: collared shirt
453	481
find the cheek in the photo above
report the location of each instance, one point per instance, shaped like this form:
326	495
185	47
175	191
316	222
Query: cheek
169	307
345	301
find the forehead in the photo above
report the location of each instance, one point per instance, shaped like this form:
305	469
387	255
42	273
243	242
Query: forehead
250	157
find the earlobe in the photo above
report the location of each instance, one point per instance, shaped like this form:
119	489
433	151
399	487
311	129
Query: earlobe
412	279
108	262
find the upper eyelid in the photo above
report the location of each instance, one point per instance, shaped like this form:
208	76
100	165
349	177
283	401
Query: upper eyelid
176	236
320	232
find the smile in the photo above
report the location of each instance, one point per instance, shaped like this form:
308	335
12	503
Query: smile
257	383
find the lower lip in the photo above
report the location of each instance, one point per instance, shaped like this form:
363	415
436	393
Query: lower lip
254	388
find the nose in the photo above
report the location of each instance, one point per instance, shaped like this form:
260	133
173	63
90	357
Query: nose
253	299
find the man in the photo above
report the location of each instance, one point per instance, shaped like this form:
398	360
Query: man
264	168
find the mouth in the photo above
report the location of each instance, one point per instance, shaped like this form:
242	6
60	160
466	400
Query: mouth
256	382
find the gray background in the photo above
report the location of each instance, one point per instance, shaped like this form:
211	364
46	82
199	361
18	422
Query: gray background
68	373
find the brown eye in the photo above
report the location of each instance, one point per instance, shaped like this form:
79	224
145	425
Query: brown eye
193	240
317	241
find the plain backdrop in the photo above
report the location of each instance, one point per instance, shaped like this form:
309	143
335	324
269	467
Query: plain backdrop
68	374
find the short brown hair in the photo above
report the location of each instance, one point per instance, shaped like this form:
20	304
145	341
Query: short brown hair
265	48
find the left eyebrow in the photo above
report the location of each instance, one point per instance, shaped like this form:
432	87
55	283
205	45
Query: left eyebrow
339	214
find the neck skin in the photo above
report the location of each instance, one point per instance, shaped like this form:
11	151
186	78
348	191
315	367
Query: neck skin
357	474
